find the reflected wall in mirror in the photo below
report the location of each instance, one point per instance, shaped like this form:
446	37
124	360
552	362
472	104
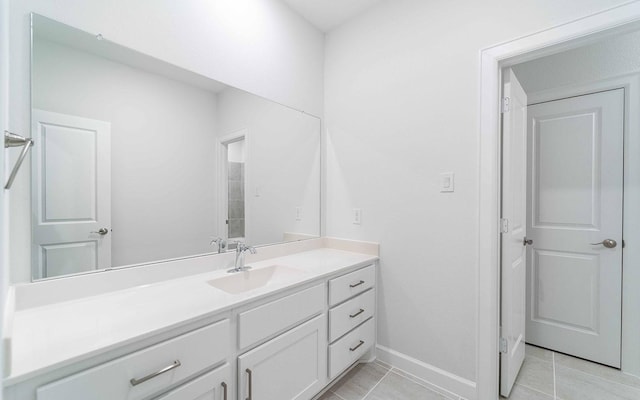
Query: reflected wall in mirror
136	160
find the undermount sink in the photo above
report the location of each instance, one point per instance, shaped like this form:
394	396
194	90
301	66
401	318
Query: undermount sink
244	281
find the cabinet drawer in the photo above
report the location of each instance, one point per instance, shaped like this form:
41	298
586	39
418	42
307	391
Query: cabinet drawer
214	385
266	320
349	285
350	348
194	351
350	314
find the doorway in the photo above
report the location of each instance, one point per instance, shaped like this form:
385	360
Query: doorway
233	181
572	234
624	18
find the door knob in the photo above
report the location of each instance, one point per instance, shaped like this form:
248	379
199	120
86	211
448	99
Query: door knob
608	243
526	241
101	231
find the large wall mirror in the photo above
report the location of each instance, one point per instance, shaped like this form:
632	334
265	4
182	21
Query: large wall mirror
136	160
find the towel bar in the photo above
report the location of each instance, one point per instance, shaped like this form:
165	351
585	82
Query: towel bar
13	140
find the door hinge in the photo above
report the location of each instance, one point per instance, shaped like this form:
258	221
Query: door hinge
506	104
504	345
504	225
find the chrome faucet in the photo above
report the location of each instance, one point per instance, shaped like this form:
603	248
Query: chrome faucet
241	248
221	244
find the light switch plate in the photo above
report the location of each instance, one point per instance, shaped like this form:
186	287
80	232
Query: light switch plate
357	216
298	213
446	182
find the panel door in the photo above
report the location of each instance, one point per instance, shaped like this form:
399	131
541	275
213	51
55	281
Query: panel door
291	366
513	268
71	194
575	186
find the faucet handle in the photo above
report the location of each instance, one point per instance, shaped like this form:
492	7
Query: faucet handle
220	243
242	247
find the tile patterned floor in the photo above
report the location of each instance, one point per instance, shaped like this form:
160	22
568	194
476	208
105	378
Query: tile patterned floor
547	375
378	381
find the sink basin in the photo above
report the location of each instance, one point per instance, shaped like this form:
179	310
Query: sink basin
239	282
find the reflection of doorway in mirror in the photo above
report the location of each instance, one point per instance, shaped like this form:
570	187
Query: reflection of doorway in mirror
71	202
235	190
233	181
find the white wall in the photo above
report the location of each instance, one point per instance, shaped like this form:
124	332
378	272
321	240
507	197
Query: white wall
257	45
260	46
282	166
401	106
611	57
163	151
4	124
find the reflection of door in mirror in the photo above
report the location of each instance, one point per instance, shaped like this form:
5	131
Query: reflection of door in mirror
234	180
71	199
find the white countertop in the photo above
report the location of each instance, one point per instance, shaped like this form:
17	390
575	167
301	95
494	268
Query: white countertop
49	337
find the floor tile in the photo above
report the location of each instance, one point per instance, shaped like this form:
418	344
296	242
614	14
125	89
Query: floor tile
383	364
599	370
396	387
524	393
359	381
329	395
536	374
539	352
419	381
572	384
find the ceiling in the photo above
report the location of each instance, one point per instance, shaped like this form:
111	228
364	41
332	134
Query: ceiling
328	14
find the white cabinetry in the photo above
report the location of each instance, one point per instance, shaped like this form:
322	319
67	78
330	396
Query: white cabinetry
285	348
214	385
146	372
291	366
264	321
351	318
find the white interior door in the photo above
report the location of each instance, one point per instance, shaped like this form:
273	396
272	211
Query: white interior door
71	194
574	286
514	228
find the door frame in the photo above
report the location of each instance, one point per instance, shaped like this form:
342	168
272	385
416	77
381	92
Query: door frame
493	59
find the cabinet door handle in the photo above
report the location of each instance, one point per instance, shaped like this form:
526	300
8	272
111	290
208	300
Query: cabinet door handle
356	284
224	390
356	348
356	314
135	382
250	384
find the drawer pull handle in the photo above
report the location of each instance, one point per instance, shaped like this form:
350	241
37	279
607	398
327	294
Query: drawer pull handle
356	348
250	384
356	284
135	382
356	314
224	390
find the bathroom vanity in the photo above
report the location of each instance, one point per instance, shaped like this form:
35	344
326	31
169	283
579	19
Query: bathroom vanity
125	299
282	330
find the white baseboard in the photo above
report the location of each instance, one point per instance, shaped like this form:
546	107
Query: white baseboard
432	375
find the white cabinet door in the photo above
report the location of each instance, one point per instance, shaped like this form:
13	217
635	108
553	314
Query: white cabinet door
514	175
214	385
71	194
575	277
291	366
